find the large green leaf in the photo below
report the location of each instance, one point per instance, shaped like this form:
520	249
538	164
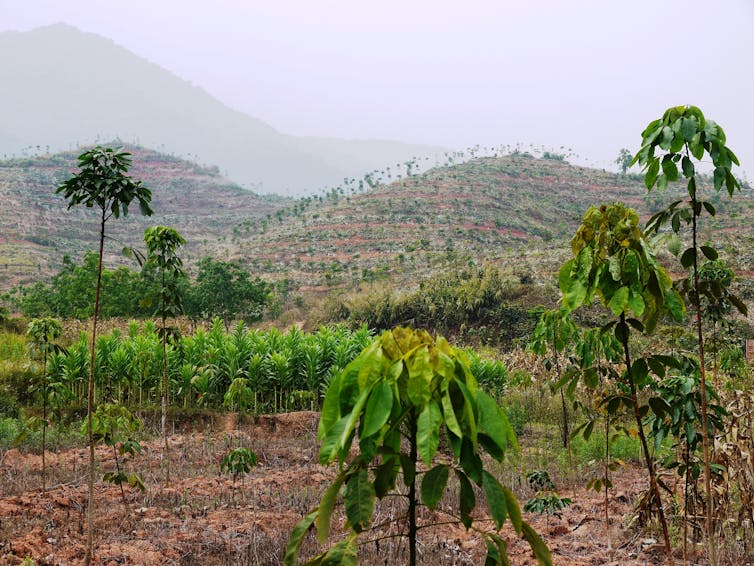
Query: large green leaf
346	434
330	409
541	552
675	305
688	128
385	475
419	376
297	535
636	303
619	301
433	485
669	168
514	511
331	442
467	498
326	505
469	417
342	554
408	467
372	366
378	408
359	500
495	496
687	258
652	171
449	414
573	289
470	461
428	431
492	421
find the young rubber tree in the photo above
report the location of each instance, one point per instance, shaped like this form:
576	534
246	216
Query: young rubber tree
103	184
162	244
596	356
556	333
684	136
407	386
43	332
613	261
116	426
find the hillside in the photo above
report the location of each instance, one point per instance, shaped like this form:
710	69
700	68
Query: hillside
37	229
103	91
517	211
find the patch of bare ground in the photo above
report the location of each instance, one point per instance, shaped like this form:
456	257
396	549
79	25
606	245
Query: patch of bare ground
203	517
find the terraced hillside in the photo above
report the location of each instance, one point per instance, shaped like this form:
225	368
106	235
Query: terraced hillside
515	210
37	229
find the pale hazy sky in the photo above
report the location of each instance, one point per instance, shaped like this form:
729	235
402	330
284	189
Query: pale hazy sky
584	74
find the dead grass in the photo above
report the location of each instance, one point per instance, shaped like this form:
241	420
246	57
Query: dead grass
202	518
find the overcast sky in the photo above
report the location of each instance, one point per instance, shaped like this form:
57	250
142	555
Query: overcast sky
583	74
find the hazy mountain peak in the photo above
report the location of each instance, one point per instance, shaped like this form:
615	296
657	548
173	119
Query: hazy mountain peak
68	88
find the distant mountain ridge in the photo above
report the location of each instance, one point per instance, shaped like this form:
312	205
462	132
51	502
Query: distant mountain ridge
65	88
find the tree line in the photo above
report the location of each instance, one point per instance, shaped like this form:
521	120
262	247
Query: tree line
221	289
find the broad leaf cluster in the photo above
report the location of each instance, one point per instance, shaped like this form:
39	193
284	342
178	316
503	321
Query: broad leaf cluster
614	262
407	384
102	182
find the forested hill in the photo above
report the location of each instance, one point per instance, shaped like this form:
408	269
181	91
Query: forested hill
516	210
37	229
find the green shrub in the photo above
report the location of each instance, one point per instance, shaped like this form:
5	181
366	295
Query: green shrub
19	379
517	417
13	346
622	447
8	402
9	431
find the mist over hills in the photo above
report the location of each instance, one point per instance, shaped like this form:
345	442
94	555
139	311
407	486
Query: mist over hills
65	88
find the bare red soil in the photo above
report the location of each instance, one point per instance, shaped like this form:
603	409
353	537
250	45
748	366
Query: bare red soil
203	517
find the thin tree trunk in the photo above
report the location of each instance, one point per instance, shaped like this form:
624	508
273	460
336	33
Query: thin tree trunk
166	449
122	492
712	547
90	401
412	496
653	485
44	421
686	504
607	470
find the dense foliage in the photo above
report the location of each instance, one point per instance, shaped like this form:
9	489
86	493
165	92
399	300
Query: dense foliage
478	304
221	288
